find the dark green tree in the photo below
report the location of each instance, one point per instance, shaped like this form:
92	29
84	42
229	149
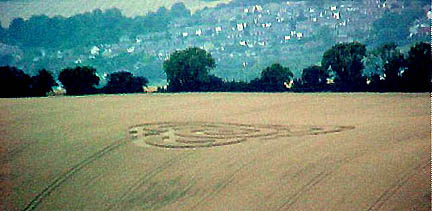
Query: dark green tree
237	86
14	82
6	60
345	62
417	78
188	70
273	79
179	10
375	83
79	80
215	84
3	35
392	73
124	82
42	83
389	63
314	78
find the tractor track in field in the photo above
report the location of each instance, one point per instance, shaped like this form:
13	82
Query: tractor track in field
57	182
311	183
224	184
11	154
282	132
146	178
230	179
314	181
218	135
388	193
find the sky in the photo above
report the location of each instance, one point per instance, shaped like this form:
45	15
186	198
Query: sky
10	9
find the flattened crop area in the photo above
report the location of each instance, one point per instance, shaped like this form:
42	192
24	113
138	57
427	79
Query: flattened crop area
216	152
208	134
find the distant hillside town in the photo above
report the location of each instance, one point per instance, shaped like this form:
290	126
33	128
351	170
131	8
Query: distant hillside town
242	38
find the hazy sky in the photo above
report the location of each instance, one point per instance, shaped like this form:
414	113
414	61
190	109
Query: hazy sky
27	8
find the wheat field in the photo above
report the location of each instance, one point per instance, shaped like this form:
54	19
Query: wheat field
216	151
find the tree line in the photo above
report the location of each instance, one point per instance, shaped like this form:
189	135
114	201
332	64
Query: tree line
77	81
87	29
342	69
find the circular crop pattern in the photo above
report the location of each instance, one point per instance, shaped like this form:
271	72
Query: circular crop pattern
207	134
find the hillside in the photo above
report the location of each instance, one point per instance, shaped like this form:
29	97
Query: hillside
243	38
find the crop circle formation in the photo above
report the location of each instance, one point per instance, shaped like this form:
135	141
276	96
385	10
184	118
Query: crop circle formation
206	134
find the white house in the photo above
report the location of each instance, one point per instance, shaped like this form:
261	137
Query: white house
240	27
299	35
257	8
266	25
336	15
94	50
78	61
429	14
131	49
218	29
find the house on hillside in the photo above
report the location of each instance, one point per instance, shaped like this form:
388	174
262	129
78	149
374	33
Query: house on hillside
94	50
257	8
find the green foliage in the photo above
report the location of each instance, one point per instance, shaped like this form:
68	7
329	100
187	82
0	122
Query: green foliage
417	78
375	83
124	82
180	10
79	80
80	30
378	57
188	70
273	78
388	62
14	82
394	27
6	59
90	28
42	83
345	62
215	84
392	72
314	78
